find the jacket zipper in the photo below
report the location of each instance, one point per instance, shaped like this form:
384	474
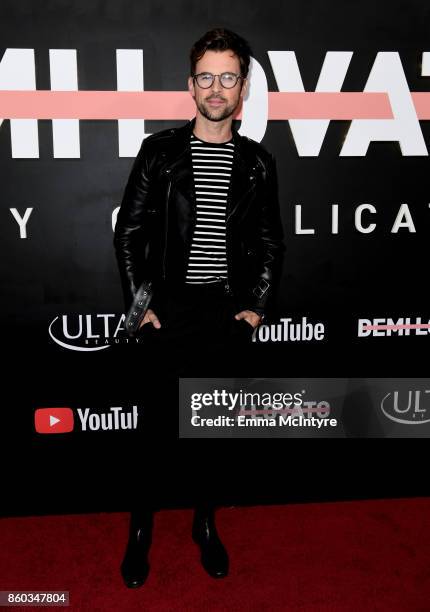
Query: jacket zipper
166	226
227	286
227	242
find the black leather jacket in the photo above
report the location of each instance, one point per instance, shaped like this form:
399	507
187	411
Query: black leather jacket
155	222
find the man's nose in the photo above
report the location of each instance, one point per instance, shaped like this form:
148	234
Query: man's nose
216	85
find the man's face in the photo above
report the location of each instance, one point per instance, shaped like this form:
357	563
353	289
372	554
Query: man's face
216	102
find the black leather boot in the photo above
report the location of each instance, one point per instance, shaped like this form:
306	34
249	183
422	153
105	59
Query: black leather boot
214	556
135	565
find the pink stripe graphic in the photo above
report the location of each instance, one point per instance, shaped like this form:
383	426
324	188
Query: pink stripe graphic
282	411
405	326
47	104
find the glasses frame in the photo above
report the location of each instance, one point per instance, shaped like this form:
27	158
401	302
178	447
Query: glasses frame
238	76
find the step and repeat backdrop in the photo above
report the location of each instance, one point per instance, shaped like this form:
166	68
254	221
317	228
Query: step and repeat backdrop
340	94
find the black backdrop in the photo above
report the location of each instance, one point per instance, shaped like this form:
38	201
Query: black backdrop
66	265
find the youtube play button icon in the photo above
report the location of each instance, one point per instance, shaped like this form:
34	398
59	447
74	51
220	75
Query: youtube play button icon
53	420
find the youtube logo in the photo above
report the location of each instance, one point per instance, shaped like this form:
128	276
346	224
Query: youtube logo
53	420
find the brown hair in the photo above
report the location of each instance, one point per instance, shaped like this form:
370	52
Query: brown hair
221	39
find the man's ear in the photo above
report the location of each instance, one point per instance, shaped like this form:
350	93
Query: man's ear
244	90
191	86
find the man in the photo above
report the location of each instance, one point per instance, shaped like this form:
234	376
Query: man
200	220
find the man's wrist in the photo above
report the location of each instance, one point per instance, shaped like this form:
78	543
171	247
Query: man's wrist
259	312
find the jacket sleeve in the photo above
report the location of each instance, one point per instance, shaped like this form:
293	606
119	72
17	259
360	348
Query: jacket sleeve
271	236
131	230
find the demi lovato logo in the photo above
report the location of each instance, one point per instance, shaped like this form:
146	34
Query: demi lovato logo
404	326
408	408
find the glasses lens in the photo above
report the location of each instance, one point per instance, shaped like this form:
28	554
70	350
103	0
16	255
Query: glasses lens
205	79
228	79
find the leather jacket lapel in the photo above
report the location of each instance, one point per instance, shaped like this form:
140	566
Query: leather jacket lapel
241	183
180	163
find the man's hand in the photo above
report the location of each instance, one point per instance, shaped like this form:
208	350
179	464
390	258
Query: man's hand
250	316
150	317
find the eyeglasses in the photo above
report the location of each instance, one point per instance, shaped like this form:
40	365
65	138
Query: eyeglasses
206	79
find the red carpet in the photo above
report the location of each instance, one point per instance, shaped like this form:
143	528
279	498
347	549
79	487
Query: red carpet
337	556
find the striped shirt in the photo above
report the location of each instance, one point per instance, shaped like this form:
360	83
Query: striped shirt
212	166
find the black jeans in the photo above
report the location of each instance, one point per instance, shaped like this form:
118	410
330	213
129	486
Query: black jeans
199	337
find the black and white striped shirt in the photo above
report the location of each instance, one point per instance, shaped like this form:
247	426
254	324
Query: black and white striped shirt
212	166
